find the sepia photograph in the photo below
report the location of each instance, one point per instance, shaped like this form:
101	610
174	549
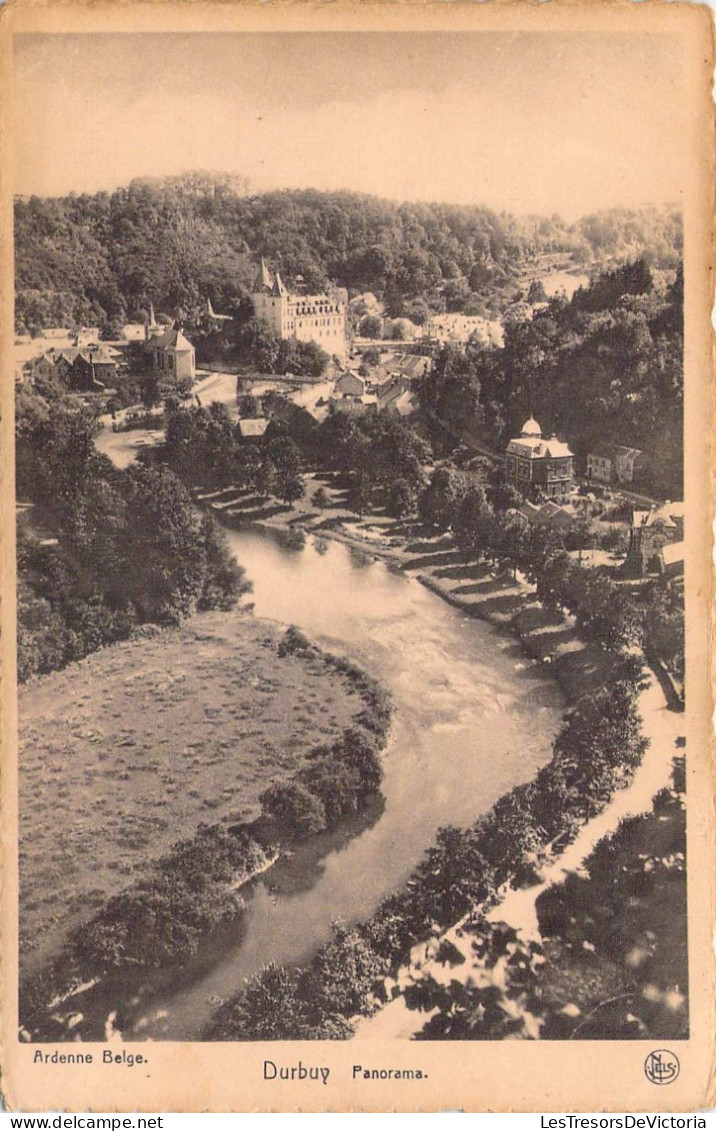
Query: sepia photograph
350	542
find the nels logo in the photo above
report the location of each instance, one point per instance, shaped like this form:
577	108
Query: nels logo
661	1066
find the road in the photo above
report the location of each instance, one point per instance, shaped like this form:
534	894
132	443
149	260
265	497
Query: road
211	387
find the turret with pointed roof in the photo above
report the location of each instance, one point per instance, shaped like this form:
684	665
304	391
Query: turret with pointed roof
305	318
214	316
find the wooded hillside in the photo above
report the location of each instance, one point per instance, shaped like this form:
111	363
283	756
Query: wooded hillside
176	241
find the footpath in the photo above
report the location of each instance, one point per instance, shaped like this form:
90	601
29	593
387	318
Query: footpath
518	908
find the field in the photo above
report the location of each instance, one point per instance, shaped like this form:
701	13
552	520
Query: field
131	749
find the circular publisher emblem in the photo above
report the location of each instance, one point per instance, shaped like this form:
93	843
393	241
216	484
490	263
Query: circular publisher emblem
662	1066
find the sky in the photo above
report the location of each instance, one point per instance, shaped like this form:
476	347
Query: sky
522	122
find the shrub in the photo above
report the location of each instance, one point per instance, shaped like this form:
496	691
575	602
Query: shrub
360	755
268	1009
152	924
320	498
295	806
336	785
342	975
370	326
294	641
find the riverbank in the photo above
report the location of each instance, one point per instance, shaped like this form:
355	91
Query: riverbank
478	865
500	599
203	719
583	969
497	874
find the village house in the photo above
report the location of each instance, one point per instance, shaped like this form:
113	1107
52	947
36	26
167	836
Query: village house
354	406
86	336
390	390
459	328
306	318
134	332
548	514
171	354
349	384
534	464
614	463
90	369
651	532
409	365
671	564
600	464
252	429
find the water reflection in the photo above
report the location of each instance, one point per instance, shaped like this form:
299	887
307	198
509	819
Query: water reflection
472	718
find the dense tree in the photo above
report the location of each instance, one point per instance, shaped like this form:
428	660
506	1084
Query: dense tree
283	455
598	747
498	1001
553	578
606	366
453	876
103	258
474	524
248	406
664	627
360	493
441	497
608	613
303	359
320	498
294	805
370	326
269	1009
342	975
400	499
451	391
129	546
258	346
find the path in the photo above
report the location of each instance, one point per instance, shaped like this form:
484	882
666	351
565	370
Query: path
518	907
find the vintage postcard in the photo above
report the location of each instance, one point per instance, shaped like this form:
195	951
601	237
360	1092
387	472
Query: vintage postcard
357	389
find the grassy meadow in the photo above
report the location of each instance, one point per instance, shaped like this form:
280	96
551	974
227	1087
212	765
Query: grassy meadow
134	747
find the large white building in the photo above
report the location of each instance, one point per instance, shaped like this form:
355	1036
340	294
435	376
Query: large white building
307	318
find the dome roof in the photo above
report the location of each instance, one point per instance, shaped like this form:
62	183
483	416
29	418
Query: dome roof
531	428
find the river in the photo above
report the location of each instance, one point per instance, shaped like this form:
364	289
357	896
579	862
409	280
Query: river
472	718
563	282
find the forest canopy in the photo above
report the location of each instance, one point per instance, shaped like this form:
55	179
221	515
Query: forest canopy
177	241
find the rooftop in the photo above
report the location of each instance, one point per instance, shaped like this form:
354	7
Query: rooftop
170	339
673	553
668	514
253	426
534	447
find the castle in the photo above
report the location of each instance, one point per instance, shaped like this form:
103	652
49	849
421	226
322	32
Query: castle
307	318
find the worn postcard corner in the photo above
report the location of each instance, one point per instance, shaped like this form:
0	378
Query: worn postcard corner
356	558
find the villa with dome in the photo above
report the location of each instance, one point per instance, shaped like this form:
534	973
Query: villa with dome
534	463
